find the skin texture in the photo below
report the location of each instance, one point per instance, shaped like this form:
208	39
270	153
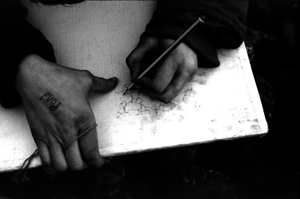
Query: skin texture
56	104
167	79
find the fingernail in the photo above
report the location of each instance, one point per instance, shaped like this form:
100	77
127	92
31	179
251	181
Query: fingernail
51	172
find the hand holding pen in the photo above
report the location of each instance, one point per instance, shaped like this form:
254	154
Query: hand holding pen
166	76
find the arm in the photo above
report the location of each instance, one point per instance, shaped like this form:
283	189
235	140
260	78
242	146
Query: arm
18	39
223	28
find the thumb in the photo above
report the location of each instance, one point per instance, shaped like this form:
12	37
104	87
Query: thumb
102	85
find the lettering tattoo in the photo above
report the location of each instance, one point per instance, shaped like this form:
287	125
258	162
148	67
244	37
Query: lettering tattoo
48	97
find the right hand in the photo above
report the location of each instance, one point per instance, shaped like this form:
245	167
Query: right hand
166	80
56	104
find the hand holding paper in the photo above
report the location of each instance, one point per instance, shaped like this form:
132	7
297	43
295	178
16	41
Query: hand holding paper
58	112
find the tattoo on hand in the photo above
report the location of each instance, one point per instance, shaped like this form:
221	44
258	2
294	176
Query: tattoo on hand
54	104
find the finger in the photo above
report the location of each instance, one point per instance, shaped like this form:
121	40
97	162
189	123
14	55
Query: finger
137	59
162	76
73	157
174	88
45	157
102	85
89	147
58	157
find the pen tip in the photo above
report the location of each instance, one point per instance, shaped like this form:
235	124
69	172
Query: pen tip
202	18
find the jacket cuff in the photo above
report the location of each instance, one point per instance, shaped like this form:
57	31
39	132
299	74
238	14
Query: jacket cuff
223	25
19	39
198	41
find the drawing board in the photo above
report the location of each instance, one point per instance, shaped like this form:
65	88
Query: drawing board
219	103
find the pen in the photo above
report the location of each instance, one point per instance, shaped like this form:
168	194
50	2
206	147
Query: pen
168	50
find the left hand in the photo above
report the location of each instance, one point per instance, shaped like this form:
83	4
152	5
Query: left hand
167	79
58	112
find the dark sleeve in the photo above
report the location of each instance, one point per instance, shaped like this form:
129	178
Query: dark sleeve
18	39
223	27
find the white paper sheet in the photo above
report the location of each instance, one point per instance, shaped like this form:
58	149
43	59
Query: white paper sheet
220	103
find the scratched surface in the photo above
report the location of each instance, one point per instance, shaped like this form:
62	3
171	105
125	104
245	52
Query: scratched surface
220	103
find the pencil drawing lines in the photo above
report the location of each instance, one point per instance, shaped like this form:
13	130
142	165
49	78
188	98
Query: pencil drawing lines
135	103
166	107
124	88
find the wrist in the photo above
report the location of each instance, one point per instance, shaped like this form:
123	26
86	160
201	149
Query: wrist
29	61
27	69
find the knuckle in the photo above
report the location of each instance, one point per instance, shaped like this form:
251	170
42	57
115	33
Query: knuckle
167	42
192	61
191	68
63	134
151	41
88	77
129	60
133	63
85	119
87	73
188	74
